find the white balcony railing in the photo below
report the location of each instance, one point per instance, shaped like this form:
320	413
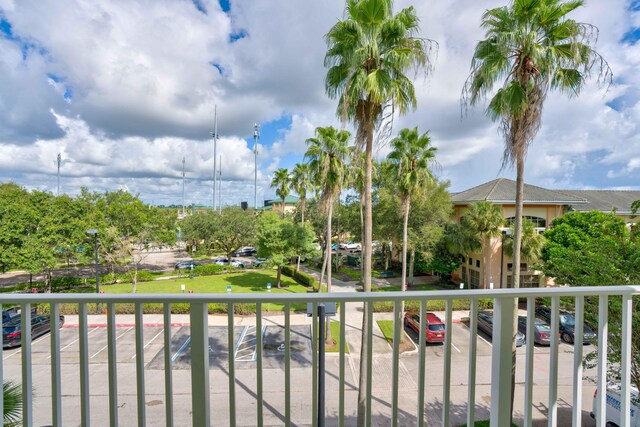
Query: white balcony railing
199	341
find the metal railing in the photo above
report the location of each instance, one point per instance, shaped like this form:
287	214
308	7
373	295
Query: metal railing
501	353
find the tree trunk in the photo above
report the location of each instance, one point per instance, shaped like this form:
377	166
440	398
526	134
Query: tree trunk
515	279
486	246
278	277
412	259
324	266
329	217
405	239
361	237
367	251
302	206
283	214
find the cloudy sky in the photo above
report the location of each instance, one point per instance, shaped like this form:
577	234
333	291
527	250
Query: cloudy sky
123	90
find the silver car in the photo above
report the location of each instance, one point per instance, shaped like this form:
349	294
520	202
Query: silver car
485	324
541	330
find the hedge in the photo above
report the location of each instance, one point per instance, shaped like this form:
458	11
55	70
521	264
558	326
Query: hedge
433	305
208	269
301	277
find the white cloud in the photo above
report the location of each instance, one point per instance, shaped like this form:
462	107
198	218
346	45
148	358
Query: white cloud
143	87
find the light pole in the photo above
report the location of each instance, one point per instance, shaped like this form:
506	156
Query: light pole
214	134
256	136
94	232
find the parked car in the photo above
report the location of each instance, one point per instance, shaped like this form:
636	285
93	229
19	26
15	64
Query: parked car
567	325
352	246
237	263
612	416
12	334
485	324
246	251
186	264
541	330
221	260
435	326
14	313
258	262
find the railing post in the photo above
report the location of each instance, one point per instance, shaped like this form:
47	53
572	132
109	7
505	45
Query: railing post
502	361
200	365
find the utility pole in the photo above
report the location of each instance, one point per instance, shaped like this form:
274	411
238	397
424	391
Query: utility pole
59	161
183	213
256	136
220	186
214	134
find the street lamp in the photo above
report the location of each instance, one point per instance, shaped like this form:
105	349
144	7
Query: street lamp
94	232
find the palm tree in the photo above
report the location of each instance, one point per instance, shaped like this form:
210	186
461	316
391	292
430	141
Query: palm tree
484	219
531	47
412	153
327	155
301	182
532	244
368	54
281	181
12	404
460	240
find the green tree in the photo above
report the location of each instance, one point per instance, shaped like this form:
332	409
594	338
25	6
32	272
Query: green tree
233	228
484	220
16	216
301	182
410	158
595	249
532	243
368	55
327	156
200	228
280	239
132	230
531	48
281	181
460	240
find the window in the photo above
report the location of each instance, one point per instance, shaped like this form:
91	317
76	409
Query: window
526	281
478	263
523	266
474	279
537	221
470	261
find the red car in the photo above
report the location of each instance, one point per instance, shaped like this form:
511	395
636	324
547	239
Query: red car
435	326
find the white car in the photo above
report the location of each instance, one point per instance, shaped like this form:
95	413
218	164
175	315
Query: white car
221	261
237	263
353	246
612	417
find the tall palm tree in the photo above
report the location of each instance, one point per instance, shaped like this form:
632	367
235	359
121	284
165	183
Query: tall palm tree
410	159
531	48
301	183
368	54
485	220
281	181
327	155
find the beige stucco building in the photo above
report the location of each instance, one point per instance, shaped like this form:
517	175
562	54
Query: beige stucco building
541	206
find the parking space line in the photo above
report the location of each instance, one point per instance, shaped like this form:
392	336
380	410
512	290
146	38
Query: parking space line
152	339
482	338
181	349
246	353
454	346
103	348
75	341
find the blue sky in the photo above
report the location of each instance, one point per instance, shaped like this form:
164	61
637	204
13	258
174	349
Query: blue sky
124	91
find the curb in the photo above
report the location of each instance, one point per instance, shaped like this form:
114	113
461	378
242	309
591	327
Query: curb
125	325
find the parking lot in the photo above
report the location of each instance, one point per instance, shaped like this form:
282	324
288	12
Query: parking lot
244	353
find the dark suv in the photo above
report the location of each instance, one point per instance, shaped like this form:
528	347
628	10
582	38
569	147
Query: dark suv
567	325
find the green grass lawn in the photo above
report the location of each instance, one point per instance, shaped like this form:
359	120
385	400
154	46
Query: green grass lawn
386	326
335	334
418	287
247	282
353	274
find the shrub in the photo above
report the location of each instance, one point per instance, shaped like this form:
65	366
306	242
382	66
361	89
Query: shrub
208	269
433	305
300	277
